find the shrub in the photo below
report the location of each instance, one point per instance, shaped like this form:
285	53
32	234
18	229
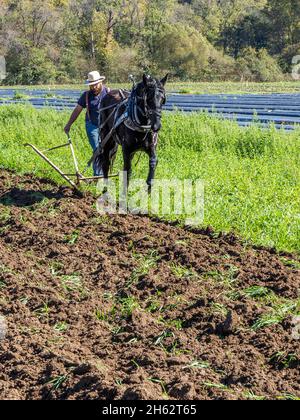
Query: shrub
258	66
29	66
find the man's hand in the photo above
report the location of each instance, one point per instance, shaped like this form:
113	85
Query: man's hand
73	118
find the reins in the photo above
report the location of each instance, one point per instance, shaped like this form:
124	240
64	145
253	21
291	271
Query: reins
130	117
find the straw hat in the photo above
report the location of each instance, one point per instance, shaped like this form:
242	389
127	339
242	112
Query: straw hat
94	78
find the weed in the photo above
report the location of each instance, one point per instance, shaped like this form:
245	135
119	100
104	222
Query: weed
43	311
119	382
72	284
251	396
134	362
226	278
127	306
72	238
162	384
56	268
171	323
182	272
145	264
256	292
5	216
122	309
58	381
61	327
102	220
291	263
153	306
288	397
105	316
181	243
278	314
284	360
216	386
218	309
4	269
233	295
162	336
24	300
197	364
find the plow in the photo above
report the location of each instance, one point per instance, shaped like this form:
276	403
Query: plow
76	178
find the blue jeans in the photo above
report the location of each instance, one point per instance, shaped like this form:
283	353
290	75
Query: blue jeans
93	134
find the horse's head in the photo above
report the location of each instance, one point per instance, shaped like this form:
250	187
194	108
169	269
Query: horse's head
154	99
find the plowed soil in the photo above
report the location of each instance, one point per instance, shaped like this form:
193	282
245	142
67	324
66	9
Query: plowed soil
125	307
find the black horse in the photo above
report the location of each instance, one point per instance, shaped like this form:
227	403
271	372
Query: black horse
132	120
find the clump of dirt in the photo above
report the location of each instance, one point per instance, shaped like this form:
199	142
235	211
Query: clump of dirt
124	307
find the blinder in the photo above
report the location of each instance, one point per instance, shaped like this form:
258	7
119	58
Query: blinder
143	96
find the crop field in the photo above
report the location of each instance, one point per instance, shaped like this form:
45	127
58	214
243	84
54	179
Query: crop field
134	307
195	87
282	110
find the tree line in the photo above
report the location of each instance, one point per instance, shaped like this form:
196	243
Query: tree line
59	41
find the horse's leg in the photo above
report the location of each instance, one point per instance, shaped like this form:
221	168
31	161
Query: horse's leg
153	161
127	157
105	165
105	168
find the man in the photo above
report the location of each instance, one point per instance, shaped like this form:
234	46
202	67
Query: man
91	101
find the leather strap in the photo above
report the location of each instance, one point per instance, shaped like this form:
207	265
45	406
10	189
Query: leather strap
87	105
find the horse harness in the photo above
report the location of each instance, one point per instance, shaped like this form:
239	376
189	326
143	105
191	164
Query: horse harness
130	116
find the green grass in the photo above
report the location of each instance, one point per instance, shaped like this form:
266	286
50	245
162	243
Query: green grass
256	292
43	311
72	283
278	312
221	387
61	327
57	382
145	264
182	272
198	364
291	263
252	176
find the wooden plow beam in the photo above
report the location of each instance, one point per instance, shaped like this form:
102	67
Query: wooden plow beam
74	179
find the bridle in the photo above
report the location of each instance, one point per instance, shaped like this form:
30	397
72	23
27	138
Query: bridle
148	111
135	109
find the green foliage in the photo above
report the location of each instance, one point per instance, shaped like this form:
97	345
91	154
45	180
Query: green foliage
29	66
250	145
258	66
60	41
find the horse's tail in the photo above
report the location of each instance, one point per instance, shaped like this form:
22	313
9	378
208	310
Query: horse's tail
98	161
102	159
